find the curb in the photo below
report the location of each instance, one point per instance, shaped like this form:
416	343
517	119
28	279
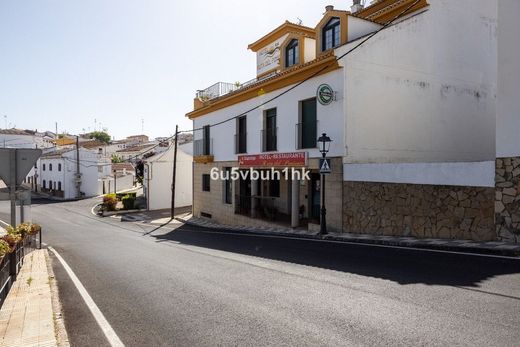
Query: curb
59	323
411	244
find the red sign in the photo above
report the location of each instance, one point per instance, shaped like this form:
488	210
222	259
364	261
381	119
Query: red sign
293	159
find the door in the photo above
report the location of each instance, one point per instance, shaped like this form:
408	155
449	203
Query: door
308	124
314	197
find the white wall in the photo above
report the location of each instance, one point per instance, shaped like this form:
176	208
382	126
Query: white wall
158	178
508	96
330	120
309	49
358	27
423	90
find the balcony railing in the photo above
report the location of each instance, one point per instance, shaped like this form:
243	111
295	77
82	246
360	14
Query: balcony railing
306	135
222	88
269	139
241	143
200	147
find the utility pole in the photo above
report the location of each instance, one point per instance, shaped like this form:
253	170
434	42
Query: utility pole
56	124
12	186
115	183
78	173
174	170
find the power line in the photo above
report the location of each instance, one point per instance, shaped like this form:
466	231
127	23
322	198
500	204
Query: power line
386	25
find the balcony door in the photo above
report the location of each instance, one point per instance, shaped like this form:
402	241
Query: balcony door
308	131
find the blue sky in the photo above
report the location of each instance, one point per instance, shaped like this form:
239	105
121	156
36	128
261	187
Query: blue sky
120	61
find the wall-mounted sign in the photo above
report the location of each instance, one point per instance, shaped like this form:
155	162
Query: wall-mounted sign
268	58
325	94
294	159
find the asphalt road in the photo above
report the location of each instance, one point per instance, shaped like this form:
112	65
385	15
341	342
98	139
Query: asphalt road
189	286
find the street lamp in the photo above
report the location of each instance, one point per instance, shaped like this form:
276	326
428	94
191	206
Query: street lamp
324	146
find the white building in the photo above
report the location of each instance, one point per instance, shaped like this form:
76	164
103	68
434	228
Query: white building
57	173
411	114
157	180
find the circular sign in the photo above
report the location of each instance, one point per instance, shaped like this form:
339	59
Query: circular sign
325	94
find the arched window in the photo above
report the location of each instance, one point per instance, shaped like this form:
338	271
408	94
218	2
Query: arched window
50	184
292	56
59	167
50	167
43	167
330	34
44	184
59	186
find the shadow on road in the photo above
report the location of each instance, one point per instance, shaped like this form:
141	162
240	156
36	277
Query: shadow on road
404	266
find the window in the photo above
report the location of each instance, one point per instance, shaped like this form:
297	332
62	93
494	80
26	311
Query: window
307	128
269	132
292	53
59	167
43	167
59	186
44	184
50	167
330	34
54	187
241	135
50	184
206	179
274	188
227	186
206	150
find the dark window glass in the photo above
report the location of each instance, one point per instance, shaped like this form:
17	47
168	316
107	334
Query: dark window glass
50	167
227	187
44	184
206	182
241	136
59	186
50	184
270	130
274	188
308	125
206	140
43	167
331	34
292	53
59	167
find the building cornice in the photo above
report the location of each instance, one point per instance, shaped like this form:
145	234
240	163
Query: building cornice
285	28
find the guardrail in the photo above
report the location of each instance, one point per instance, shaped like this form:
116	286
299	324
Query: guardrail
11	263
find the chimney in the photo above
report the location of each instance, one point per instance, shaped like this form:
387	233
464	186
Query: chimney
329	8
356	6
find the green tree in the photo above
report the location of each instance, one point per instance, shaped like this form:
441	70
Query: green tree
116	159
100	136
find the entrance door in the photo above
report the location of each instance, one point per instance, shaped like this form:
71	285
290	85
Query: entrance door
243	200
314	197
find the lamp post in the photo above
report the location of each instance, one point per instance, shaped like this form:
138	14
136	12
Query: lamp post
324	146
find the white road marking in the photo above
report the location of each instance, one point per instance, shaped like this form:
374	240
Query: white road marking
107	329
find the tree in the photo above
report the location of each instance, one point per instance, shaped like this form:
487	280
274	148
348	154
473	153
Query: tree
116	159
100	136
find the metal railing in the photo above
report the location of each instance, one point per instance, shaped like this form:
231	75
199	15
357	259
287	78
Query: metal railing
269	139
11	263
240	143
303	142
200	147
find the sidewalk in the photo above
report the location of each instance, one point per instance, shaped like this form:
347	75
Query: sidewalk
494	248
27	318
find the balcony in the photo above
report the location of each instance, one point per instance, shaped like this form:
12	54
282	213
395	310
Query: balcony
269	139
203	151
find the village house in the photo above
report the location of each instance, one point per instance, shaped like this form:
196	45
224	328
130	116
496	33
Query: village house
411	114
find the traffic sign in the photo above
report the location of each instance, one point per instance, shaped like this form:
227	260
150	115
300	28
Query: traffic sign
24	159
325	167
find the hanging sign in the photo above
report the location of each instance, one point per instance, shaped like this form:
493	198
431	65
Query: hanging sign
325	94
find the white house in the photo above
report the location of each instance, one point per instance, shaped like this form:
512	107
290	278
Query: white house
58	174
411	114
158	178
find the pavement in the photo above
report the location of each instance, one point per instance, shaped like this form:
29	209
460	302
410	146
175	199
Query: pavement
27	316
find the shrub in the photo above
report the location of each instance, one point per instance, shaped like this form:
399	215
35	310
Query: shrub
109	202
4	248
128	202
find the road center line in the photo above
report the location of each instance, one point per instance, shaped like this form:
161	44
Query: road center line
107	329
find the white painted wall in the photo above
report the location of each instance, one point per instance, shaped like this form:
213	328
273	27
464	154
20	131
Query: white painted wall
158	178
358	27
424	89
309	49
508	96
330	120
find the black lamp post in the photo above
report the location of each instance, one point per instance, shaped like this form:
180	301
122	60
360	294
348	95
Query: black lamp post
324	146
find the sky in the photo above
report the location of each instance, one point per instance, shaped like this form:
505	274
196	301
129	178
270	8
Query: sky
128	65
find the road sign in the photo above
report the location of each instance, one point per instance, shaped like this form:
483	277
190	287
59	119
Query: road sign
325	167
25	160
